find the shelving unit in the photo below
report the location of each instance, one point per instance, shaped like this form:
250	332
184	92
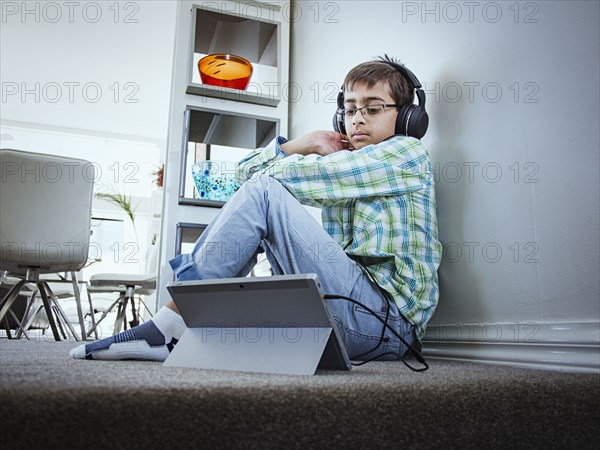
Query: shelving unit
214	123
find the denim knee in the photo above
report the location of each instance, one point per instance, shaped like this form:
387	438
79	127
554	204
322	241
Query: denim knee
184	268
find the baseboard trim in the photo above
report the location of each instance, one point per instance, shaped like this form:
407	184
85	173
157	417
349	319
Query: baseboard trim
573	346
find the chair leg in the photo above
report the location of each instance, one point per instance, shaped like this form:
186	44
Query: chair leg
94	325
77	293
48	309
7	327
121	314
130	297
61	316
121	323
59	324
7	302
19	325
10	298
106	313
134	322
28	318
142	302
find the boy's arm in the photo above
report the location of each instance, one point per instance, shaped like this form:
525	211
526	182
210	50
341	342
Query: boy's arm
260	159
319	142
265	160
393	167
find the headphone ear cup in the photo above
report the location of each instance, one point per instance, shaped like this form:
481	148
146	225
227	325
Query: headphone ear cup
418	122
412	121
401	120
338	123
338	118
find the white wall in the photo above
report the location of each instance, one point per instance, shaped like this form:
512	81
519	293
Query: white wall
93	80
98	66
512	94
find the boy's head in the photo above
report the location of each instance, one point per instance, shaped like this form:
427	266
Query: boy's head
372	72
373	95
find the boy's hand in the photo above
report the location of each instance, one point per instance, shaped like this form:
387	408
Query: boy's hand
320	142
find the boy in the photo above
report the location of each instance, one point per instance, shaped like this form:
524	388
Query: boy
378	243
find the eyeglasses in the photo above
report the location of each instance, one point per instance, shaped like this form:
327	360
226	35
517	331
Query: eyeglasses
366	111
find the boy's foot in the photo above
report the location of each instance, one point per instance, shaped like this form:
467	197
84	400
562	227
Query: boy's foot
151	341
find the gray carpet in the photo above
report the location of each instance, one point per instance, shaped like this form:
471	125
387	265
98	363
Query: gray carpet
50	400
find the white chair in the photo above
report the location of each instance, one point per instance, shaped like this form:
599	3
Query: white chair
44	226
127	286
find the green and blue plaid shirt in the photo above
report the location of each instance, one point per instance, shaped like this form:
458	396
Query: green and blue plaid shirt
378	204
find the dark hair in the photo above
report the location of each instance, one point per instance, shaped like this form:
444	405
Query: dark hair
372	72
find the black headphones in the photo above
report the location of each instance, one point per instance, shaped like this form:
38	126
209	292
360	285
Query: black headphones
412	119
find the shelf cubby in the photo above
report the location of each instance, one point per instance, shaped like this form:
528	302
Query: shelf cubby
257	40
219	136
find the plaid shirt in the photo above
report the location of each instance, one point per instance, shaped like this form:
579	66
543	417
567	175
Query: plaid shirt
378	204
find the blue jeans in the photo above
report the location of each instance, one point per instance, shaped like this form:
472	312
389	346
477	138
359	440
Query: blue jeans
263	216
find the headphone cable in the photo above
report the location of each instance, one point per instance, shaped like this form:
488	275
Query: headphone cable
386	295
410	348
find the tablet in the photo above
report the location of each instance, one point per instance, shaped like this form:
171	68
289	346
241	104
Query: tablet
275	324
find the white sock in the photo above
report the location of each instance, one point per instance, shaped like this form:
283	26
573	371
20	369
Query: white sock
150	341
170	324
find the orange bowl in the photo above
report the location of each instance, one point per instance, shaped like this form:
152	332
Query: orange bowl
225	70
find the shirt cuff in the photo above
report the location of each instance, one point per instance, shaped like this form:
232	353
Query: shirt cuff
278	142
